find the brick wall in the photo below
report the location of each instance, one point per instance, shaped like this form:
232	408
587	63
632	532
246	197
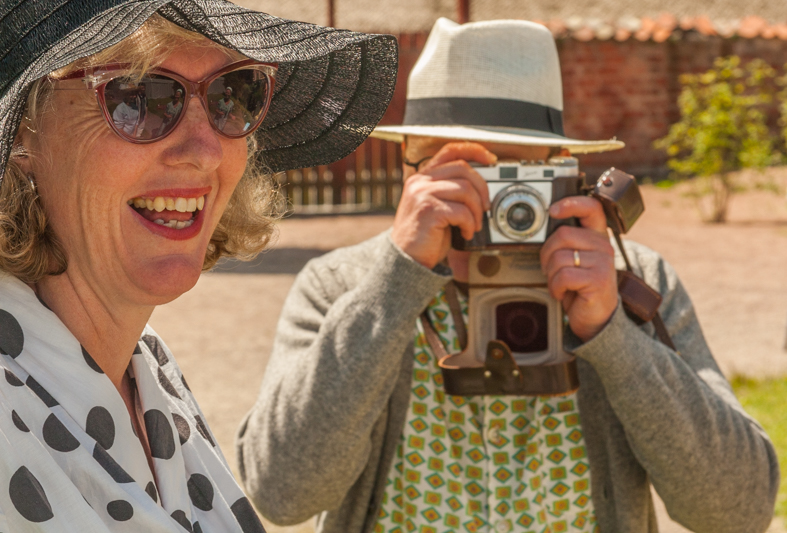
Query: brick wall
625	90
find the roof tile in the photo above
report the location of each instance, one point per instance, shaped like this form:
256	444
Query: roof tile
663	27
622	34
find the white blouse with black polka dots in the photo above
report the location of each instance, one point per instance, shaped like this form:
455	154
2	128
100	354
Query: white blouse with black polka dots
69	458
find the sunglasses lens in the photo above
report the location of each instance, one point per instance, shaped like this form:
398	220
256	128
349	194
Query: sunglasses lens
238	101
144	108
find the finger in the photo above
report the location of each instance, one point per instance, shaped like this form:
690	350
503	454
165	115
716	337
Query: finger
460	169
569	238
454	190
459	215
588	210
568	300
588	260
467	151
579	280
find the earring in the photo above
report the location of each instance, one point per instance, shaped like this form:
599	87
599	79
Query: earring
32	183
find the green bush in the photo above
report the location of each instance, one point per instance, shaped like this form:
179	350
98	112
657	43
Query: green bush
722	127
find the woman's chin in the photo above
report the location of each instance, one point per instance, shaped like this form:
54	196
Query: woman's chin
162	281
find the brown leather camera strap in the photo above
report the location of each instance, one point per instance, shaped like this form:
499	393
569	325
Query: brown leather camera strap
500	374
456	313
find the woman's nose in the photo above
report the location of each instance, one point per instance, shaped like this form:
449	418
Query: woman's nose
194	141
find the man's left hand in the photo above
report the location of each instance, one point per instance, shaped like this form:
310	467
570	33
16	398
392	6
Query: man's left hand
589	291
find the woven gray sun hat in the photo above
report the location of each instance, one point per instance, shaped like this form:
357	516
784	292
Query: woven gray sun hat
331	88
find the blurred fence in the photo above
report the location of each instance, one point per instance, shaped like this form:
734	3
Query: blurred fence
370	179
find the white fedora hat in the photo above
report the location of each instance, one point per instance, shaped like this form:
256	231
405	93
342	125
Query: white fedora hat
495	81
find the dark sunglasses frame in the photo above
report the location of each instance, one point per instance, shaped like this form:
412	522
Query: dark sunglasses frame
98	78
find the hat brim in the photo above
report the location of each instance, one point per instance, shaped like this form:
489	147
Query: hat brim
497	135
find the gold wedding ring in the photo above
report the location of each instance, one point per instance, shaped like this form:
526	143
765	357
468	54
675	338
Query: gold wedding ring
577	262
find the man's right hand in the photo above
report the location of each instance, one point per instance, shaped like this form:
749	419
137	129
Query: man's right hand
446	192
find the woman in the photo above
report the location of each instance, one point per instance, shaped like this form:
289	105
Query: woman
98	429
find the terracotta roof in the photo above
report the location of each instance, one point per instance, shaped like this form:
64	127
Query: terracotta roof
661	28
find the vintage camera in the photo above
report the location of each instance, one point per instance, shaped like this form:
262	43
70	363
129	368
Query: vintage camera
521	193
510	308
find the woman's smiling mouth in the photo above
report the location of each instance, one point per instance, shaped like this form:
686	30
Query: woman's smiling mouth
174	212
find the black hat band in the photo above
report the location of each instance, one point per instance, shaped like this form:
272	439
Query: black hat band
488	112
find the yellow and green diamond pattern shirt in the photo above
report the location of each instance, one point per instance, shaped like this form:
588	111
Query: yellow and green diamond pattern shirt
484	464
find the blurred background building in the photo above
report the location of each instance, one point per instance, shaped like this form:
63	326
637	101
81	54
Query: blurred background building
621	62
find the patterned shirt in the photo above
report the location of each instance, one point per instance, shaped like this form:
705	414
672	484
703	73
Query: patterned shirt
484	463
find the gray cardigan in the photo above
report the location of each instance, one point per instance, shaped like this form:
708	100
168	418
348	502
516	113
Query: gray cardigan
321	437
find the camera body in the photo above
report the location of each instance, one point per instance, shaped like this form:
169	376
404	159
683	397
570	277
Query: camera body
509	302
521	193
508	297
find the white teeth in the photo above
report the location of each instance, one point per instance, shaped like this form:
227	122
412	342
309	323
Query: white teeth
174	224
160	203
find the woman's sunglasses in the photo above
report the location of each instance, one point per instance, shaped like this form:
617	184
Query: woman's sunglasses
145	109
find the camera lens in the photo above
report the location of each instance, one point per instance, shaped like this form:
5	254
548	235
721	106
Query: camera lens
518	212
522	326
520	217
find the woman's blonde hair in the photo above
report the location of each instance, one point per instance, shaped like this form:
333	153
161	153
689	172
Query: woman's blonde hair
30	250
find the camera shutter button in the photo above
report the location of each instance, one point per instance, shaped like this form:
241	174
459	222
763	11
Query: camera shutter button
606	180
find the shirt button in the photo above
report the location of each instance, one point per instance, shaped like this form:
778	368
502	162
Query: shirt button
503	526
493	436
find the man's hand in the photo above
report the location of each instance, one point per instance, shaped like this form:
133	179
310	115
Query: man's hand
588	292
445	192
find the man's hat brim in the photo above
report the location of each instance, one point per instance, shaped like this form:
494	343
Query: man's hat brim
496	135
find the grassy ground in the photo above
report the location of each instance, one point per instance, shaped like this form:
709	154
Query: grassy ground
766	401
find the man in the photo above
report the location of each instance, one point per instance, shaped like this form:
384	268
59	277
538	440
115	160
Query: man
171	111
224	109
125	116
353	423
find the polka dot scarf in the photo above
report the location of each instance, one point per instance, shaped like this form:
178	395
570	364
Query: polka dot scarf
69	458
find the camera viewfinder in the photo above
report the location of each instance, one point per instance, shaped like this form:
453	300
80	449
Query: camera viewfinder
523	326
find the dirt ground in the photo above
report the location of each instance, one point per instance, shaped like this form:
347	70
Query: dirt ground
221	331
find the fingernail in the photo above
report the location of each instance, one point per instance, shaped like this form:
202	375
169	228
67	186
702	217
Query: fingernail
554	209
